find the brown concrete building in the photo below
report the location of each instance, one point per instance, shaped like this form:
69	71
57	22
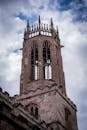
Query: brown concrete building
43	97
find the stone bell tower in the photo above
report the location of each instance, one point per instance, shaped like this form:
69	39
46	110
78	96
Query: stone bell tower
42	59
42	82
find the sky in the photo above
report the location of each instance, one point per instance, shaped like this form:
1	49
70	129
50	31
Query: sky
71	18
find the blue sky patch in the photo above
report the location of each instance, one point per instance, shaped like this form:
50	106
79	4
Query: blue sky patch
22	16
41	7
33	19
77	7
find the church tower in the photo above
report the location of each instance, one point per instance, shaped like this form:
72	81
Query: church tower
42	82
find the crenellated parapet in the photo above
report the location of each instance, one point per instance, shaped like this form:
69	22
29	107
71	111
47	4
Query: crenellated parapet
41	29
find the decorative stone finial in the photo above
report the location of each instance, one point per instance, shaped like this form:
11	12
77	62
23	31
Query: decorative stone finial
28	26
39	20
51	23
39	24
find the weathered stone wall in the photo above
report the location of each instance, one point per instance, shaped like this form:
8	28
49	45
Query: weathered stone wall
14	116
52	104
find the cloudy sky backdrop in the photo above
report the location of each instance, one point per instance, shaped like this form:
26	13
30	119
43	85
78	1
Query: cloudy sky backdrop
71	18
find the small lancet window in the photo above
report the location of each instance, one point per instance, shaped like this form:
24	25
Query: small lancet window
32	111
36	112
67	114
47	61
34	62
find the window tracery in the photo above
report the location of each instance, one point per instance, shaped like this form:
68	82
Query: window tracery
47	61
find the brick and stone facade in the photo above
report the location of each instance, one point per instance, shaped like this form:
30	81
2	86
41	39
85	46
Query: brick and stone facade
42	83
14	116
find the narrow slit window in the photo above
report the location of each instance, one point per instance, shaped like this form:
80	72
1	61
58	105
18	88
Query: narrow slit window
32	111
67	114
36	112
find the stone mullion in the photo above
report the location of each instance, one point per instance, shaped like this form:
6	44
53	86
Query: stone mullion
40	58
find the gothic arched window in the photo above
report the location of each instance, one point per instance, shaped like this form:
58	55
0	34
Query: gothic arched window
33	109
46	52
47	61
34	62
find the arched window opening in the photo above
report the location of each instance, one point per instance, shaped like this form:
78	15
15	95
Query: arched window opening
36	112
32	111
46	52
32	108
34	62
47	70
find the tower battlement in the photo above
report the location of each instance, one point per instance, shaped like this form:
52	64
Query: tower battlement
41	29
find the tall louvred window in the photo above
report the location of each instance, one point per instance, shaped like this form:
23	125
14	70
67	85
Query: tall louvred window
34	62
47	61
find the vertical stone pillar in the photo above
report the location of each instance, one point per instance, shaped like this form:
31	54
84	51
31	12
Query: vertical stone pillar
40	57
